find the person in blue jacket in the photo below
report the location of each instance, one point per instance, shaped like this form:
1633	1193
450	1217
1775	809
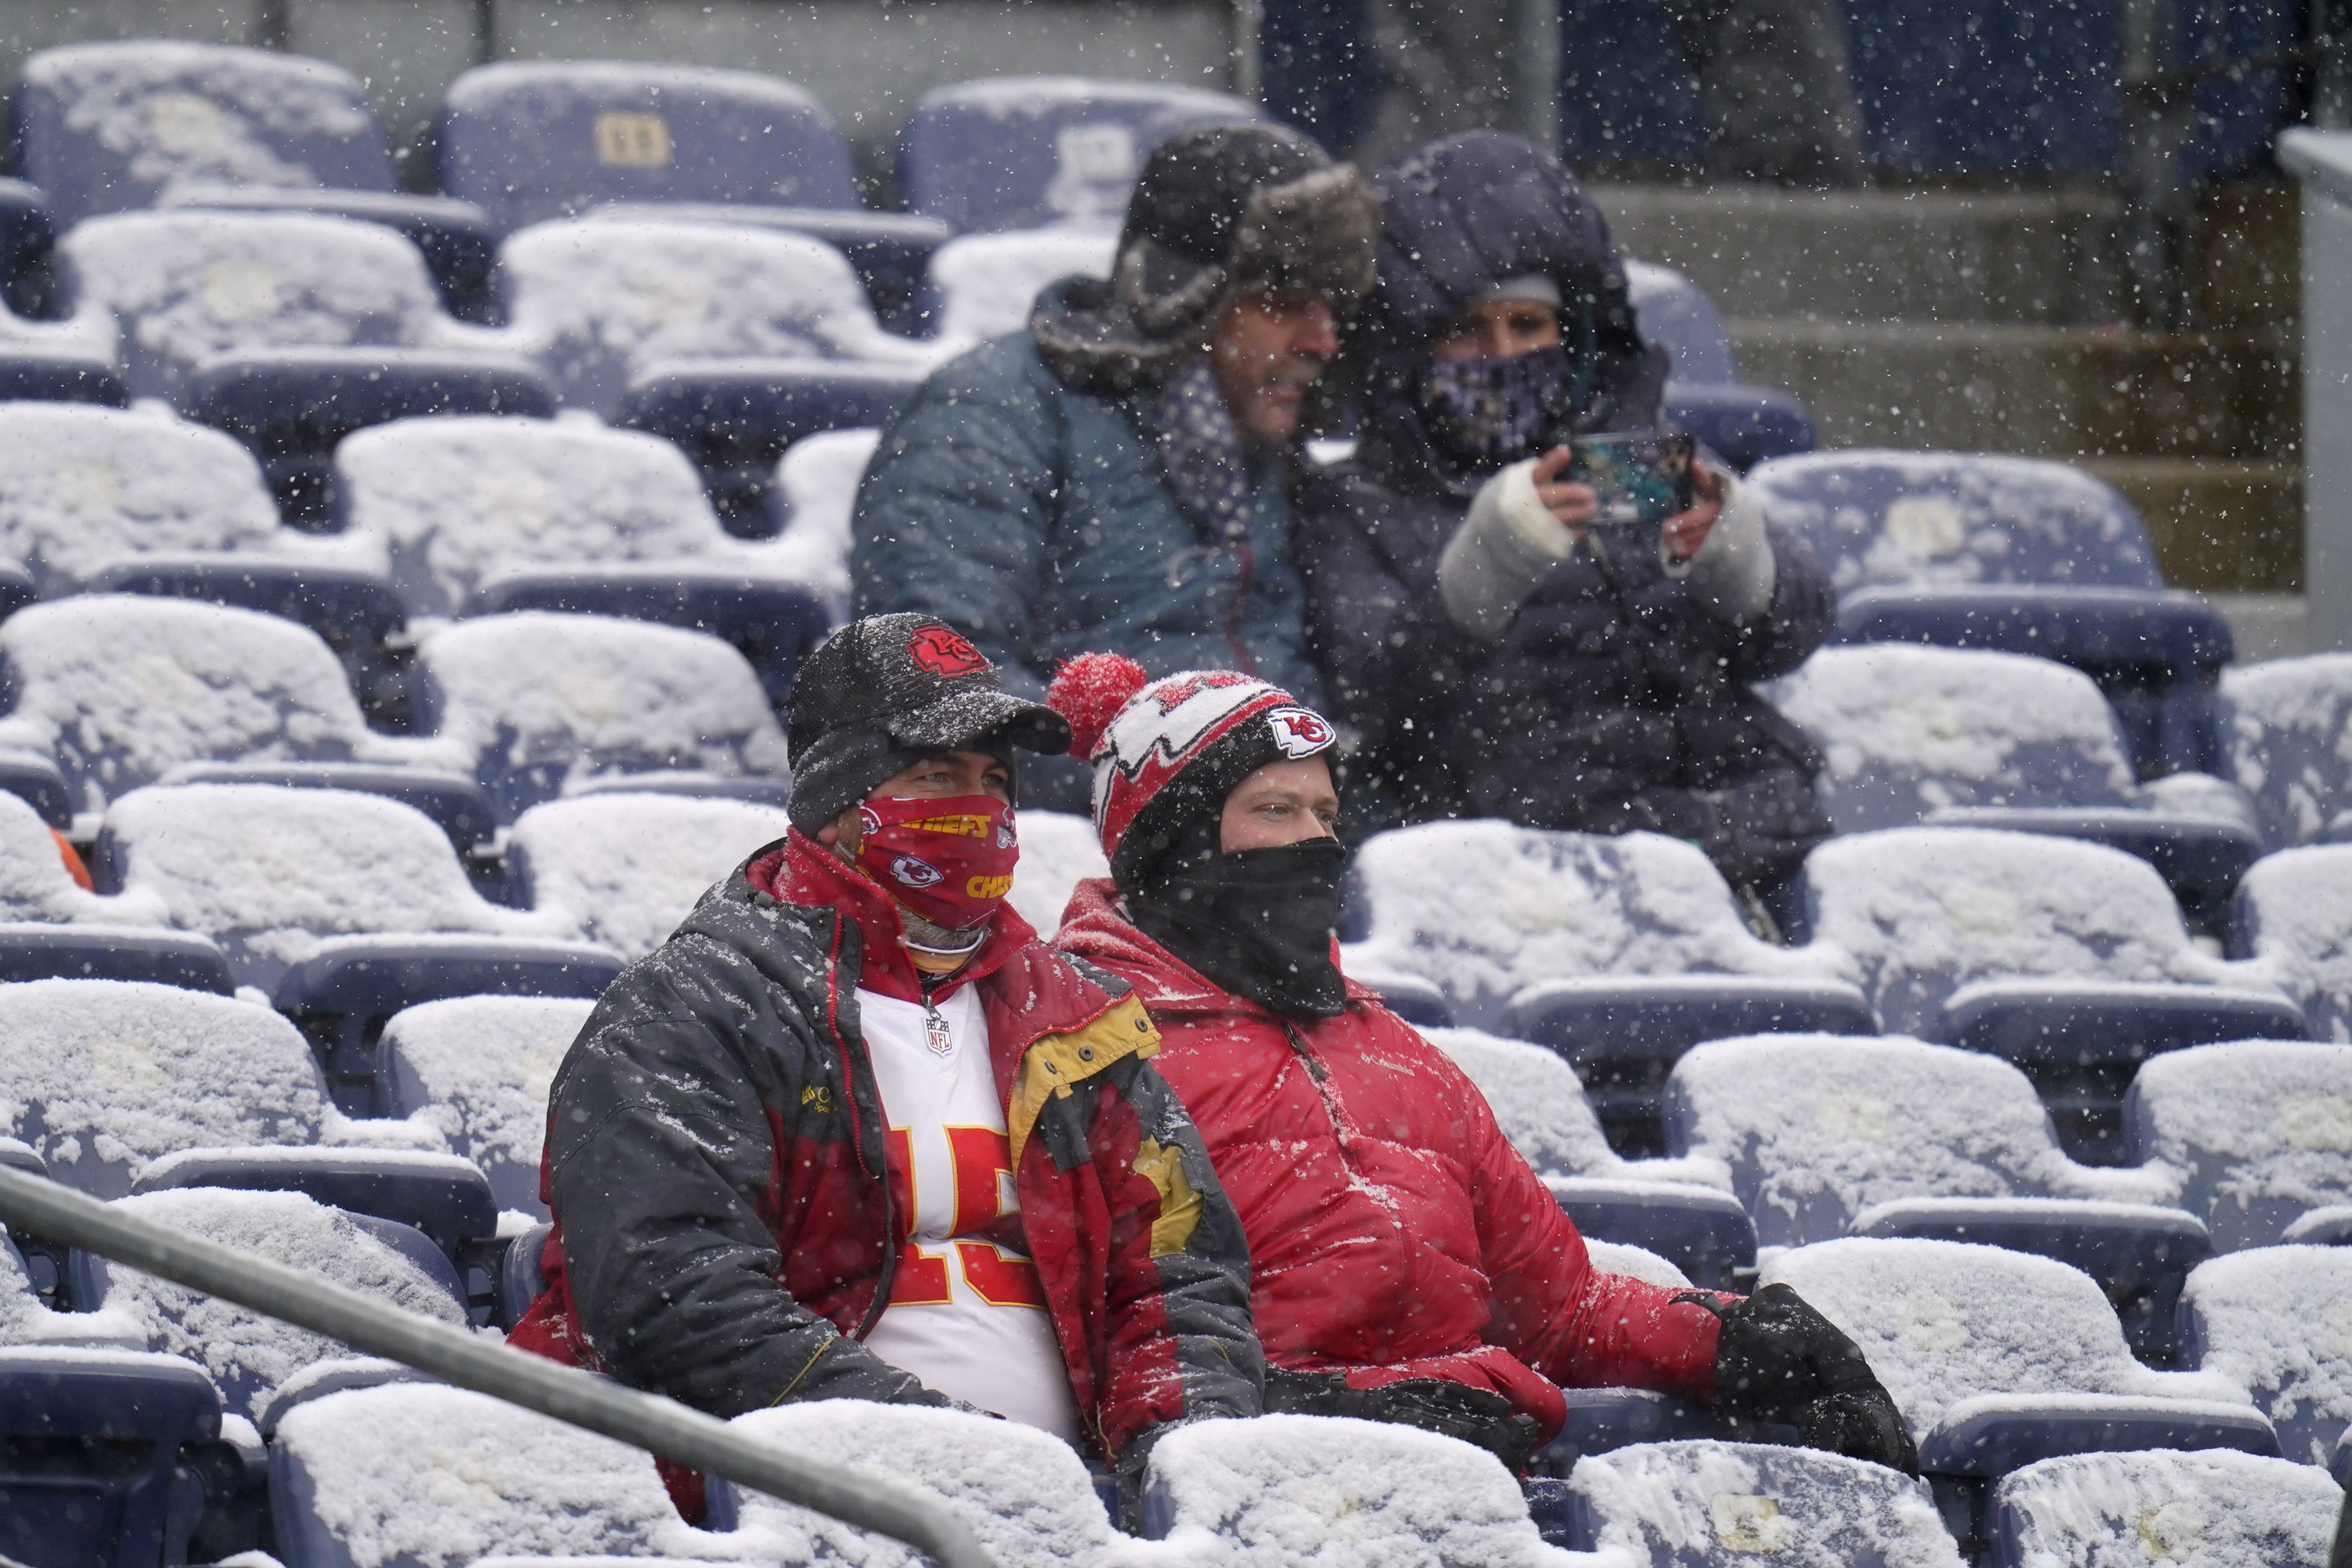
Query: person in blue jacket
1116	477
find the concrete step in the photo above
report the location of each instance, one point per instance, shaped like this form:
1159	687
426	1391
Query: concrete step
2218	527
2040	391
2047	258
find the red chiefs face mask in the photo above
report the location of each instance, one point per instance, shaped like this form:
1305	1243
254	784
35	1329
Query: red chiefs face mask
948	860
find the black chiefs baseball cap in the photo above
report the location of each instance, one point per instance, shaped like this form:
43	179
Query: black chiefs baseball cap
881	694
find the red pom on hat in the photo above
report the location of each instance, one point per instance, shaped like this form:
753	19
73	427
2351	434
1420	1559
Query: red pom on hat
1088	691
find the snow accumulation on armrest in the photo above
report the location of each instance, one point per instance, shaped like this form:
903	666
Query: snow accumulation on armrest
1485	909
1908	730
104	1076
1807	1509
1942	1322
1817	1128
627	868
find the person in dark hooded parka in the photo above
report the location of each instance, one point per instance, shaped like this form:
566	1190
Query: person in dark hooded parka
1498	652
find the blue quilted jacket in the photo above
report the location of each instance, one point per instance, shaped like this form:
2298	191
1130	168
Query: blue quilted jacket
1037	520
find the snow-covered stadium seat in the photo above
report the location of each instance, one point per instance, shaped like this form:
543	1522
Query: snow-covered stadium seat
1825	1136
247	1354
37	889
2260	1131
1620	953
2284	726
2214	1510
415	1473
2293	918
189	285
1719	1505
122	688
2277	1320
1998	1359
983	285
627	868
533	702
97	1445
1678	1210
1972	737
25	1318
816	495
1014	151
475	1070
2069	959
597	302
1058	851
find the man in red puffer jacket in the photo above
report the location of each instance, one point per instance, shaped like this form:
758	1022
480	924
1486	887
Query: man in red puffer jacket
1406	1264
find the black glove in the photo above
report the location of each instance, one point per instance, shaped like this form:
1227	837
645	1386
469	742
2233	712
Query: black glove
1478	1417
1779	1360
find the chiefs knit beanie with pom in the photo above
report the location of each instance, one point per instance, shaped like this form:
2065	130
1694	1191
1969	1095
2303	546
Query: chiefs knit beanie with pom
1166	753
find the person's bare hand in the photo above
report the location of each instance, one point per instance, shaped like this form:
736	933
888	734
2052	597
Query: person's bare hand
1571	504
1685	532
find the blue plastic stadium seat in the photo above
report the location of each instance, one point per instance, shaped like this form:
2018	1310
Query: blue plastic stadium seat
181	958
438	1199
476	1068
1625	1036
1743	425
26	237
291	406
343	997
1417	1001
773	624
2238	1121
551	139
2264	1318
36	781
356	612
1019	152
2019	554
1702	1232
890	251
1990	1442
92	1445
1706	1504
521	1278
45	375
1603	1419
2201	859
736	417
459	245
454	802
2213	1506
2081	1041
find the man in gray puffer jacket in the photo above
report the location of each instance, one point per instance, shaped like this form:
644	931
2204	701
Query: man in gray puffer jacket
1116	477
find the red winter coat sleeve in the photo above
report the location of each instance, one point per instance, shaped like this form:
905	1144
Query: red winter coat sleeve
1553	1310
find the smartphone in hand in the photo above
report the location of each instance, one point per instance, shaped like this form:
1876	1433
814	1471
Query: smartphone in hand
1640	479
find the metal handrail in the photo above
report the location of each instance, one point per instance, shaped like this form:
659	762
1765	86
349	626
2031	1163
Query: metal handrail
643	1420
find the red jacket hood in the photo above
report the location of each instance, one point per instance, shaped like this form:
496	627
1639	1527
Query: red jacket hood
1096	929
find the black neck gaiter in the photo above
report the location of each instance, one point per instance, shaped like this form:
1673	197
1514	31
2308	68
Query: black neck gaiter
1257	922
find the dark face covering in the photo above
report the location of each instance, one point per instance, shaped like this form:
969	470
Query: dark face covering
1488	412
1257	922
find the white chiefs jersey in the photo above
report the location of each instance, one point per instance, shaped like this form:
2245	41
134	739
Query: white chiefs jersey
966	1315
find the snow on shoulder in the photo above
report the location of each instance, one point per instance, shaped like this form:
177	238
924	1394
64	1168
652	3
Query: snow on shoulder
627	868
1483	909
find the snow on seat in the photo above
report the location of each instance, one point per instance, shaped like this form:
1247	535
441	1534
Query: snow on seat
2277	1321
188	286
982	286
1058	851
598	301
37	889
440	1478
275	875
1618	952
2212	1510
2284	727
2261	1132
627	868
106	1079
1999	1358
1721	1504
25	1318
816	495
1678	1210
534	702
2294	918
122	688
475	1070
247	1354
1822	1136
455	501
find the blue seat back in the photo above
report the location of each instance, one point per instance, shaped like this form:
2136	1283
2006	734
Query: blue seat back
440	1199
550	139
2212	1508
1954	519
1675	314
1022	151
42	375
2269	1320
103	128
181	958
1697	1504
90	1444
